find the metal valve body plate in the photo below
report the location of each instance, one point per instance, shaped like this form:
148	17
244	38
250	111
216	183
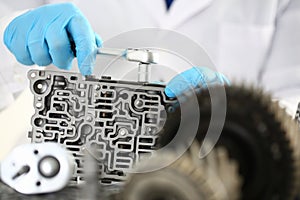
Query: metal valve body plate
117	122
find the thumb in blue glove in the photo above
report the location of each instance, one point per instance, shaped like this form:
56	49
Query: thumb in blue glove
42	36
196	77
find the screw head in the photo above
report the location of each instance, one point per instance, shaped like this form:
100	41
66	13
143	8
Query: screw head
138	103
122	131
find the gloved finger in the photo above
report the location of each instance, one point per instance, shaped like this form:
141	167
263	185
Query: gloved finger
195	77
14	42
209	76
98	40
225	79
38	47
85	42
59	45
182	82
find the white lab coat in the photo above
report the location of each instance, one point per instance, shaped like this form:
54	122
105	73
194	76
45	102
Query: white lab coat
248	40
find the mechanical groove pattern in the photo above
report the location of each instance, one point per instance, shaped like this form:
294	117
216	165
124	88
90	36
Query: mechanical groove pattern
213	178
116	122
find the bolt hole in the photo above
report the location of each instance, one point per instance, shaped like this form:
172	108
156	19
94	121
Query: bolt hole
97	87
40	86
35	152
89	118
32	75
39	122
38	105
171	109
38	183
124	96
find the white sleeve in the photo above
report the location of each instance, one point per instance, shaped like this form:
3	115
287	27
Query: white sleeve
15	114
12	74
281	74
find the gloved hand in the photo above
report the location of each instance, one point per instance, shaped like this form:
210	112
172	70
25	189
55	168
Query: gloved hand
196	77
42	36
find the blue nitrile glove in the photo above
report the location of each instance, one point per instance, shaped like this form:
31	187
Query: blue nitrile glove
42	36
196	77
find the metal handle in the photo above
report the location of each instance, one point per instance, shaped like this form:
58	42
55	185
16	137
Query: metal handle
144	57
